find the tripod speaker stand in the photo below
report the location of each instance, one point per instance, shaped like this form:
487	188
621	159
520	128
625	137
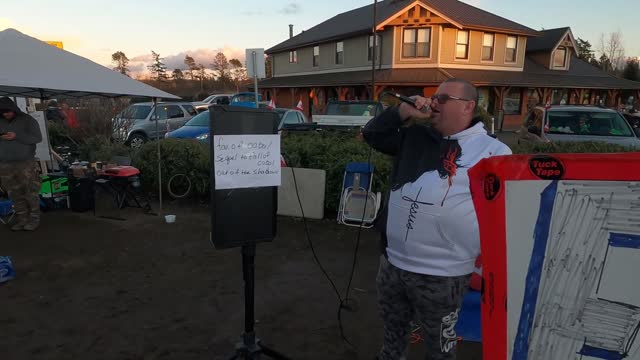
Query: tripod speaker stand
251	347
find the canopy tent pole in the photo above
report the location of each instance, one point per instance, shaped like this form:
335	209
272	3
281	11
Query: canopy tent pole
155	111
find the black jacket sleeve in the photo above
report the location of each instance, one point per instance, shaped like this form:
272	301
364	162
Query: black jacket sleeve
32	134
383	132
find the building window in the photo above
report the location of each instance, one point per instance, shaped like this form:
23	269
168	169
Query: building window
512	49
487	47
293	56
560	57
416	43
513	102
462	45
340	53
316	56
371	45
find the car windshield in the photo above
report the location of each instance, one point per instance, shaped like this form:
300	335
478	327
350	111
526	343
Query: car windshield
201	119
136	112
351	109
244	98
208	98
281	112
591	123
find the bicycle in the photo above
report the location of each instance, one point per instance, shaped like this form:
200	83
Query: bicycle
180	185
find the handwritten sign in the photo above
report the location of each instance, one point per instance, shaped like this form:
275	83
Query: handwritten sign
245	161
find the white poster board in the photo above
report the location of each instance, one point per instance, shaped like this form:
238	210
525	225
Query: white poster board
259	63
246	161
42	148
585	302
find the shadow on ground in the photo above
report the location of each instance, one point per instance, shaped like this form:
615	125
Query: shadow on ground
91	288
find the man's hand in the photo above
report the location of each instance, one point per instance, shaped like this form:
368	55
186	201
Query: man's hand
8	136
408	111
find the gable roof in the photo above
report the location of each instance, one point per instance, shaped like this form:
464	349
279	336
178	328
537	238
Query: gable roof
548	39
358	21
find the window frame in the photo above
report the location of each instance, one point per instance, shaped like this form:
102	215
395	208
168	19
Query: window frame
415	42
564	58
370	46
493	47
466	45
293	57
339	57
316	58
515	50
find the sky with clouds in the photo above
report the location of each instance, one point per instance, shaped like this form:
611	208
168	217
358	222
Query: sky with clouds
98	28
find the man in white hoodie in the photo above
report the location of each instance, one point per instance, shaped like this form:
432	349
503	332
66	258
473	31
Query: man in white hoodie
429	226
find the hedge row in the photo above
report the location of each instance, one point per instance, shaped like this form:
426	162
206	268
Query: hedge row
327	150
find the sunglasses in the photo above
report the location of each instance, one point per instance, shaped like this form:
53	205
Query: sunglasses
443	98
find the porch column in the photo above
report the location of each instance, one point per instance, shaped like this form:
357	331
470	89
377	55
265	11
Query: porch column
612	98
377	92
500	91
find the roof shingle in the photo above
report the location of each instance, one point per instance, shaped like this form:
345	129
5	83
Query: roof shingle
547	40
358	21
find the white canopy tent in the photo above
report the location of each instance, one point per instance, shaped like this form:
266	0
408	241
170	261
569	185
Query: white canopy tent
35	69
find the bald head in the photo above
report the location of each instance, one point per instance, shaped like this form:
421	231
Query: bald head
470	92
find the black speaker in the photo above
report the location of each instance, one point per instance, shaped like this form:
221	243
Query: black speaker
244	215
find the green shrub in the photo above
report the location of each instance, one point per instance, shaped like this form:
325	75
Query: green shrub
99	148
569	147
178	156
331	151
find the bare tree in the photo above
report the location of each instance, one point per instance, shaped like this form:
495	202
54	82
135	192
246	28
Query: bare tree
191	66
612	48
221	67
238	73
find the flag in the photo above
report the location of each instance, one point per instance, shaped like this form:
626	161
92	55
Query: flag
271	105
299	106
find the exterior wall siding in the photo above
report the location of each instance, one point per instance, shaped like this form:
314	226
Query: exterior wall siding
448	49
356	52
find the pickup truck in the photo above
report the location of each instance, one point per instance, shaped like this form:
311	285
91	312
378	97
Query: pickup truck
348	113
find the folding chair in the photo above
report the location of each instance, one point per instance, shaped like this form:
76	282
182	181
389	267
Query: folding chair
358	204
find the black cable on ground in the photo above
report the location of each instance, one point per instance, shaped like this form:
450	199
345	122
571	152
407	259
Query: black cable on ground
343	303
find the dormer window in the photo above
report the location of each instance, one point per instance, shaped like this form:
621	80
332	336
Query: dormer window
560	58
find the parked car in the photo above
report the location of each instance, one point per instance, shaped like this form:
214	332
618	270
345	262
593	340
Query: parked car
633	119
216	99
571	123
198	126
137	123
348	113
246	99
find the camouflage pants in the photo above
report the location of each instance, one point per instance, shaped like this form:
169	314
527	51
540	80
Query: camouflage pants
432	302
21	181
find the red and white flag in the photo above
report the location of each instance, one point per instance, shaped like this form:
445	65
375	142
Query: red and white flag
299	106
271	105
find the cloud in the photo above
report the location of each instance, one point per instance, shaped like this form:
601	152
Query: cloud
291	9
138	64
251	13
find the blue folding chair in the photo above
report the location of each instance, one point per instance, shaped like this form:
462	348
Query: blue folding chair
358	204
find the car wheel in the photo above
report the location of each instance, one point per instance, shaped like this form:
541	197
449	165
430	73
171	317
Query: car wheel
137	140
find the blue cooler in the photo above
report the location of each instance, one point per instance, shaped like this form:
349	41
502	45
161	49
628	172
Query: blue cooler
6	211
6	269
